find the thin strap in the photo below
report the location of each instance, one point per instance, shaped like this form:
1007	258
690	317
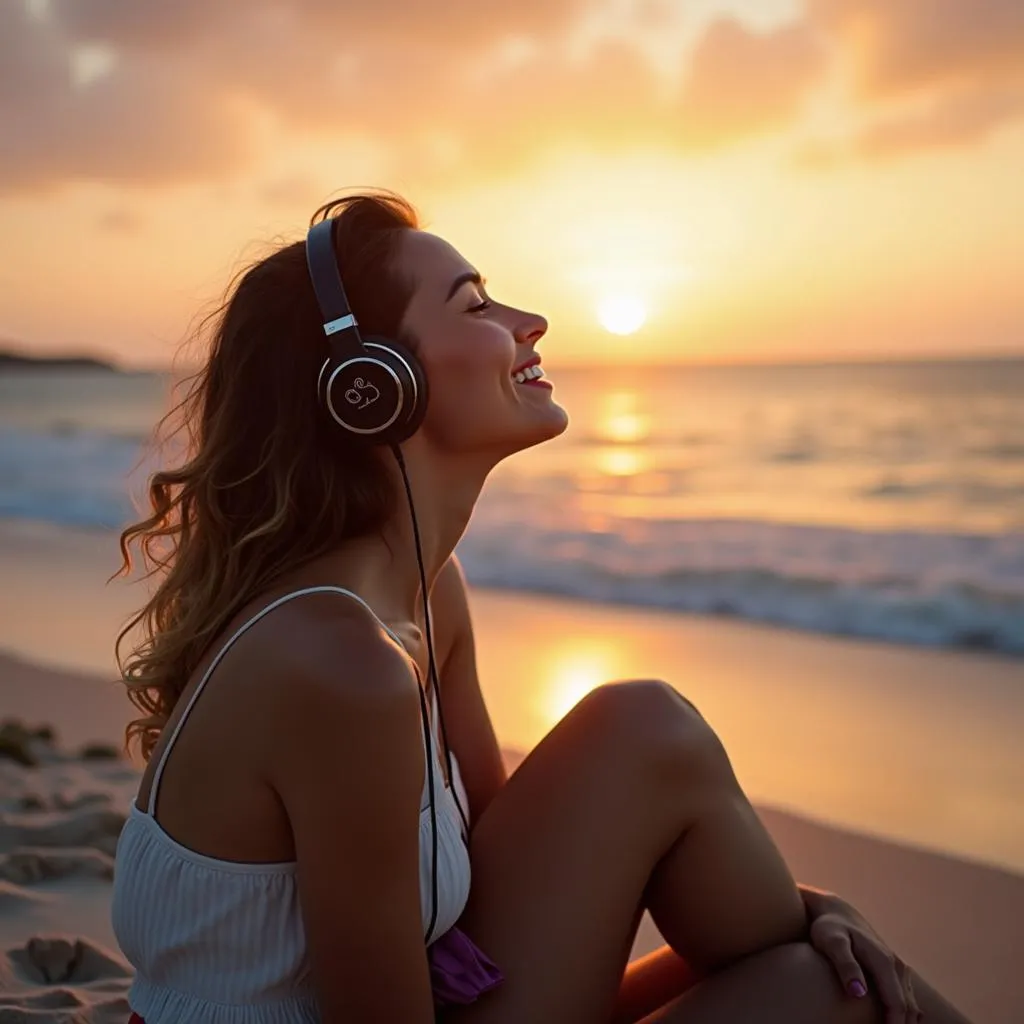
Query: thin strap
437	715
224	650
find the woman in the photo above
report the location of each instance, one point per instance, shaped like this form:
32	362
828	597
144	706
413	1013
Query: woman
281	875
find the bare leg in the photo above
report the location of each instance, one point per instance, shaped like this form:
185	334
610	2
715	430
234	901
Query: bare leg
934	1009
656	981
564	853
790	984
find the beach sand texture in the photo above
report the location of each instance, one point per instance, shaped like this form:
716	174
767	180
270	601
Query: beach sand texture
957	922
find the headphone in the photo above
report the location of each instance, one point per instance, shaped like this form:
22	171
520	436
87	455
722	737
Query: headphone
375	391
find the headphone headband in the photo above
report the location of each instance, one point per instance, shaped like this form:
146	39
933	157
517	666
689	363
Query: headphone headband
330	292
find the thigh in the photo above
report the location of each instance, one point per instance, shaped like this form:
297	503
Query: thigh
789	984
561	857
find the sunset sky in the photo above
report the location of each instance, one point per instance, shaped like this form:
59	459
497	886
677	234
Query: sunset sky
768	179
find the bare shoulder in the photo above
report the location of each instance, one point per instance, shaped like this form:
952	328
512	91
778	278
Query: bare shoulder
324	661
313	638
335	702
341	702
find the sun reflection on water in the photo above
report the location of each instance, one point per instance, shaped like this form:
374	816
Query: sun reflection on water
573	671
620	422
624	461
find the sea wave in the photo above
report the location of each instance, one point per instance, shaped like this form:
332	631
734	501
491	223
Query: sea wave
925	588
71	477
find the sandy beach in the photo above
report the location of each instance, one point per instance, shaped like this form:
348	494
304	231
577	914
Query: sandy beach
874	774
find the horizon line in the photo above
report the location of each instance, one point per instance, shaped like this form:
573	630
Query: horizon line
9	348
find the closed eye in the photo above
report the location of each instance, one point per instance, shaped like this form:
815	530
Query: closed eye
484	304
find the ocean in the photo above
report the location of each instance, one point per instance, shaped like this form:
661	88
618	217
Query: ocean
883	501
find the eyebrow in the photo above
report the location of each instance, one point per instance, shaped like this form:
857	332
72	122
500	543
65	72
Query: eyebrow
469	277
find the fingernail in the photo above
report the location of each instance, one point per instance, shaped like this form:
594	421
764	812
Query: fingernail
858	989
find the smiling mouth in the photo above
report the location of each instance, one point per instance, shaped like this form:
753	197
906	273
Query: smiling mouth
527	376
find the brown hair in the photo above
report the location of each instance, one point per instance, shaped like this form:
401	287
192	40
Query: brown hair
262	486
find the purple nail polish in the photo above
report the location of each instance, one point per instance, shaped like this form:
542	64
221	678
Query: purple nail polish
858	989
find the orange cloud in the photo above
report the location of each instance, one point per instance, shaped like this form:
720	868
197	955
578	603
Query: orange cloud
927	73
902	45
191	85
139	26
953	119
141	124
168	24
742	83
194	89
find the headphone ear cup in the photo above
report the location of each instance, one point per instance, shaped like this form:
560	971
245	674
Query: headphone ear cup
378	396
415	390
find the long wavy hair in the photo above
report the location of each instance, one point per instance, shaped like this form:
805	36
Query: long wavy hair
261	486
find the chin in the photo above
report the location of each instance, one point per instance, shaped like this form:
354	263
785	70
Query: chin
519	434
553	424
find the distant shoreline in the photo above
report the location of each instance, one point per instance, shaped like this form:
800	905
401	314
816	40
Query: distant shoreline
11	360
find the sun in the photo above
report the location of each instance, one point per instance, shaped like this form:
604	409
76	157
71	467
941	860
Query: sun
621	314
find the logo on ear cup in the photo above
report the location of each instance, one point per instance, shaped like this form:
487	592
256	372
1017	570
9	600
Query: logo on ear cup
362	392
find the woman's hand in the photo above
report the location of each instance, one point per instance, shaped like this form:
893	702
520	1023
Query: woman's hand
847	940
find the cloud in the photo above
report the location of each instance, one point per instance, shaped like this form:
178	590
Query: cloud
898	46
922	74
171	91
187	90
139	123
154	25
315	63
943	121
952	120
181	90
32	62
163	24
742	82
190	88
608	99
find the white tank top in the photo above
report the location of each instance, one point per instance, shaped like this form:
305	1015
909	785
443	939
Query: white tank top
222	942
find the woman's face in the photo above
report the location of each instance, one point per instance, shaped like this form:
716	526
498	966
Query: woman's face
470	345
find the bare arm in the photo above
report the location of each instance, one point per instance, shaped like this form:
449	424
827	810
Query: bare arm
350	776
467	721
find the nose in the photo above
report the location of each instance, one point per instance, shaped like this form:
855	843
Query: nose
530	328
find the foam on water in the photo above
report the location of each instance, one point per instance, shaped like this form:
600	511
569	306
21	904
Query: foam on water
902	518
918	588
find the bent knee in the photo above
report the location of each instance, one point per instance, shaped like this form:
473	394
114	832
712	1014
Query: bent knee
651	718
798	968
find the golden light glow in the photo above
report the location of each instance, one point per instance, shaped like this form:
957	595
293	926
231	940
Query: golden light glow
625	428
624	461
619	420
572	674
622	314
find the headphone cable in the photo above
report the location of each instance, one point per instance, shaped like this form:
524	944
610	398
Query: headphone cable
437	693
423	708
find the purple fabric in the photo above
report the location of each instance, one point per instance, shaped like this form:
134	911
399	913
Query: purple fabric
460	972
